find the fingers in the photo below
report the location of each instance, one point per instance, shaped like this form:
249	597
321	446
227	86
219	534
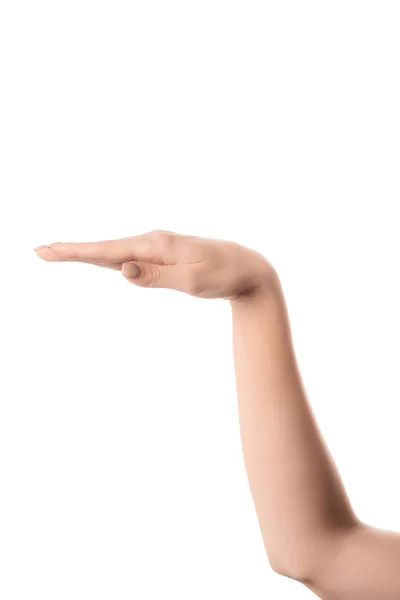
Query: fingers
46	254
107	251
110	265
155	246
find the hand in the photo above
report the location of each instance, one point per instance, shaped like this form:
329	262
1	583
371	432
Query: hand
201	267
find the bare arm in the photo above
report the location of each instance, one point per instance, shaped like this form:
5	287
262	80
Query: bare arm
309	529
308	526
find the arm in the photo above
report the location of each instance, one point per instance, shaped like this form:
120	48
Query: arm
309	529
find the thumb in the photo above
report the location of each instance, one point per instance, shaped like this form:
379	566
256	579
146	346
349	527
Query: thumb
147	274
131	270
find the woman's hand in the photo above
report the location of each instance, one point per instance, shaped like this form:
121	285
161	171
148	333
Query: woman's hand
202	267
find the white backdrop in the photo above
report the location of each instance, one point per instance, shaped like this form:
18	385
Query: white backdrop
274	124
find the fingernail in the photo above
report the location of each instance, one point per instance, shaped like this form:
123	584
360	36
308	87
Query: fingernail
45	246
131	271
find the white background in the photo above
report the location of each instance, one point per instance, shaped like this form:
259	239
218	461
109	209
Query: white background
274	124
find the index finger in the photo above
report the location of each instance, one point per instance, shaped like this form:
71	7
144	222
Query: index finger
120	250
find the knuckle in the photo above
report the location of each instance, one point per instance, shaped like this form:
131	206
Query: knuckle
152	276
159	233
163	239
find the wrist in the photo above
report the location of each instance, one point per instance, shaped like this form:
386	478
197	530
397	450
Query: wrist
266	286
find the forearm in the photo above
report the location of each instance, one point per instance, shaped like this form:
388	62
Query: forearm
298	494
309	529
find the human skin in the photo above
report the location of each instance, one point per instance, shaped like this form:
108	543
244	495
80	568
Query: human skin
310	531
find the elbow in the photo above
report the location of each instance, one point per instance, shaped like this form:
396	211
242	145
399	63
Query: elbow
295	561
305	559
293	569
310	561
